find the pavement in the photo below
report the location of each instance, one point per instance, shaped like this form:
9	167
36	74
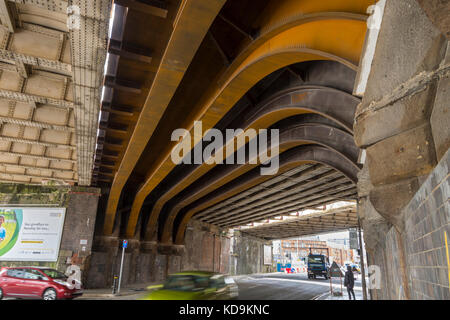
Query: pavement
344	296
133	292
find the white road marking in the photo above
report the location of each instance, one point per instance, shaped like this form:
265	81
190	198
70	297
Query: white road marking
310	282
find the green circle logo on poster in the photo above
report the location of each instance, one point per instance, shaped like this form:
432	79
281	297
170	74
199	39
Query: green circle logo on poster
10	223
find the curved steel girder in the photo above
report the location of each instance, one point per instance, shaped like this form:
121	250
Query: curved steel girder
288	160
309	119
283	181
193	21
331	103
283	15
344	192
334	188
288	187
285	18
317	40
310	199
290	136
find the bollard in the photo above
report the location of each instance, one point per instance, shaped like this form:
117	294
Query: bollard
114	284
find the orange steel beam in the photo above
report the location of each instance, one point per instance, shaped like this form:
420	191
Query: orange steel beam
262	122
172	214
335	39
179	236
281	15
190	26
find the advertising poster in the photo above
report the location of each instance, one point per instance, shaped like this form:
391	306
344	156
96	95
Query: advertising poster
30	234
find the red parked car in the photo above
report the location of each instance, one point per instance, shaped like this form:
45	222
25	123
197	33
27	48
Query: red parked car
35	282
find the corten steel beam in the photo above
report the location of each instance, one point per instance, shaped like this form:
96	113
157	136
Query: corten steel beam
317	40
260	191
310	196
340	107
282	232
248	202
262	197
299	233
129	52
185	218
322	221
334	104
306	202
310	119
283	15
290	137
308	223
342	192
243	223
326	179
288	160
193	21
155	8
231	194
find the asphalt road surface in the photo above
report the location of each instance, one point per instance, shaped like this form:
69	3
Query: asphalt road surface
281	286
273	286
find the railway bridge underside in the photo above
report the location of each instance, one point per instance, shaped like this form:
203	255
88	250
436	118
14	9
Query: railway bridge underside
284	65
347	108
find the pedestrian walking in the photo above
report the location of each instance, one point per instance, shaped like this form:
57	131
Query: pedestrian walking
349	282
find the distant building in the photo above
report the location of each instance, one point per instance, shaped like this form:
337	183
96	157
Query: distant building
297	249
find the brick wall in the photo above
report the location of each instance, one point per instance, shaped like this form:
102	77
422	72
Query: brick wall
81	210
206	249
427	219
248	255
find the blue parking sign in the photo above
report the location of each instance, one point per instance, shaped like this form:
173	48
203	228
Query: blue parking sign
124	244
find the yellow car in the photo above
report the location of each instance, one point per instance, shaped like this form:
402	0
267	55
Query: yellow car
194	285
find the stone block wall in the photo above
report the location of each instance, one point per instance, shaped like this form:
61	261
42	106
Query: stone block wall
394	289
402	123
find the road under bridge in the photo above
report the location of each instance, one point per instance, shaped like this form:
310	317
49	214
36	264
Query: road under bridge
285	108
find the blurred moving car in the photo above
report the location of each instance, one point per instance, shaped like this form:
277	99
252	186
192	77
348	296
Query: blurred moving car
36	282
194	285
